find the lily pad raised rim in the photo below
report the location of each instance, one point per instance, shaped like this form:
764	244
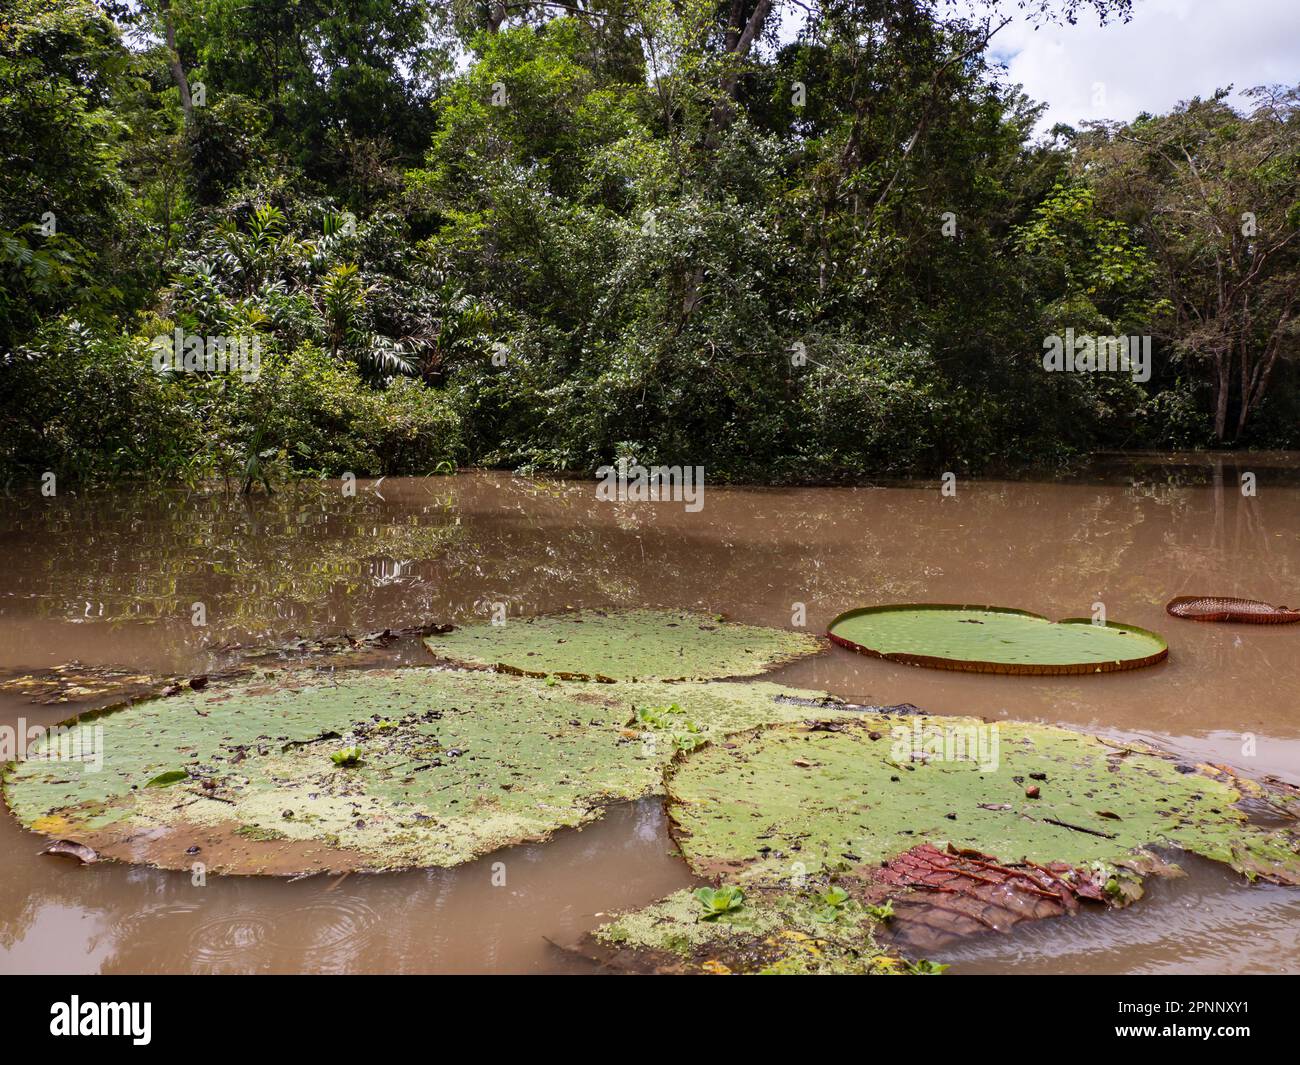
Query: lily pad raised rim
973	665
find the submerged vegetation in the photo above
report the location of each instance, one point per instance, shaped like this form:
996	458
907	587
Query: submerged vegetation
549	236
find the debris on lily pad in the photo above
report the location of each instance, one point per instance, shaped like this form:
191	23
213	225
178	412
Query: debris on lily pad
343	648
924	817
988	639
440	767
624	645
73	682
748	810
771	932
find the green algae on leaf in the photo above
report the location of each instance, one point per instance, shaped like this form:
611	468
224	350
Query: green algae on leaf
985	639
929	848
455	764
750	809
624	645
774	932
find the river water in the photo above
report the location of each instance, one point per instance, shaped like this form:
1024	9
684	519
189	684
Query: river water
112	578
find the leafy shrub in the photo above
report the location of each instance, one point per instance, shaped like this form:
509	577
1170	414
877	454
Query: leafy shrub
316	412
88	405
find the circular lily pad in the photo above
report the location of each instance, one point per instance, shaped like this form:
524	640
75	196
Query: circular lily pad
369	769
624	645
865	791
989	639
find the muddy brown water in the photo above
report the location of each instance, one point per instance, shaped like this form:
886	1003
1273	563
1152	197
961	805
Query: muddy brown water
111	578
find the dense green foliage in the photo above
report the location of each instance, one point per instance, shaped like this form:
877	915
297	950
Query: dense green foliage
546	237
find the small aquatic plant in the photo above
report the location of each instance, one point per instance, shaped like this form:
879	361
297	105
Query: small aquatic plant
883	912
347	757
718	901
830	904
659	716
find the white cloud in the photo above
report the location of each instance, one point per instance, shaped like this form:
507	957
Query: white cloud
1172	50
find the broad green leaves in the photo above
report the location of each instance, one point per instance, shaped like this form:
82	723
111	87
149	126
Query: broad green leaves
995	640
625	645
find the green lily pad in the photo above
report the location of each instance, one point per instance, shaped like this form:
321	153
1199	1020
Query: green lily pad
985	639
774	932
830	829
799	797
624	645
449	766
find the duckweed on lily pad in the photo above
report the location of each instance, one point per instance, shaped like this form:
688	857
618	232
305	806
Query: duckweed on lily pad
852	796
374	770
773	932
847	848
624	645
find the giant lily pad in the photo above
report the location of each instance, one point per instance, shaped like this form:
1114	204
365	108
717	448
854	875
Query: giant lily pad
447	766
940	827
824	797
985	639
624	645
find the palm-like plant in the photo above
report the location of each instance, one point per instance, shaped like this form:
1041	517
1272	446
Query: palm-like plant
250	257
343	304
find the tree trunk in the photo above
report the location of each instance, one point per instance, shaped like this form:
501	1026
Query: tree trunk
174	61
1222	387
740	37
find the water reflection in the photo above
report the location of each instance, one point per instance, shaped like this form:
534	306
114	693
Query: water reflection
110	578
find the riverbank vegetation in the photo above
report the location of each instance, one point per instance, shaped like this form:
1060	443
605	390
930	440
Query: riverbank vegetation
784	242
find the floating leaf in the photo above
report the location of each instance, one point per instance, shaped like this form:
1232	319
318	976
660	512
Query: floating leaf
744	812
742	808
1218	608
165	780
456	764
624	645
985	639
